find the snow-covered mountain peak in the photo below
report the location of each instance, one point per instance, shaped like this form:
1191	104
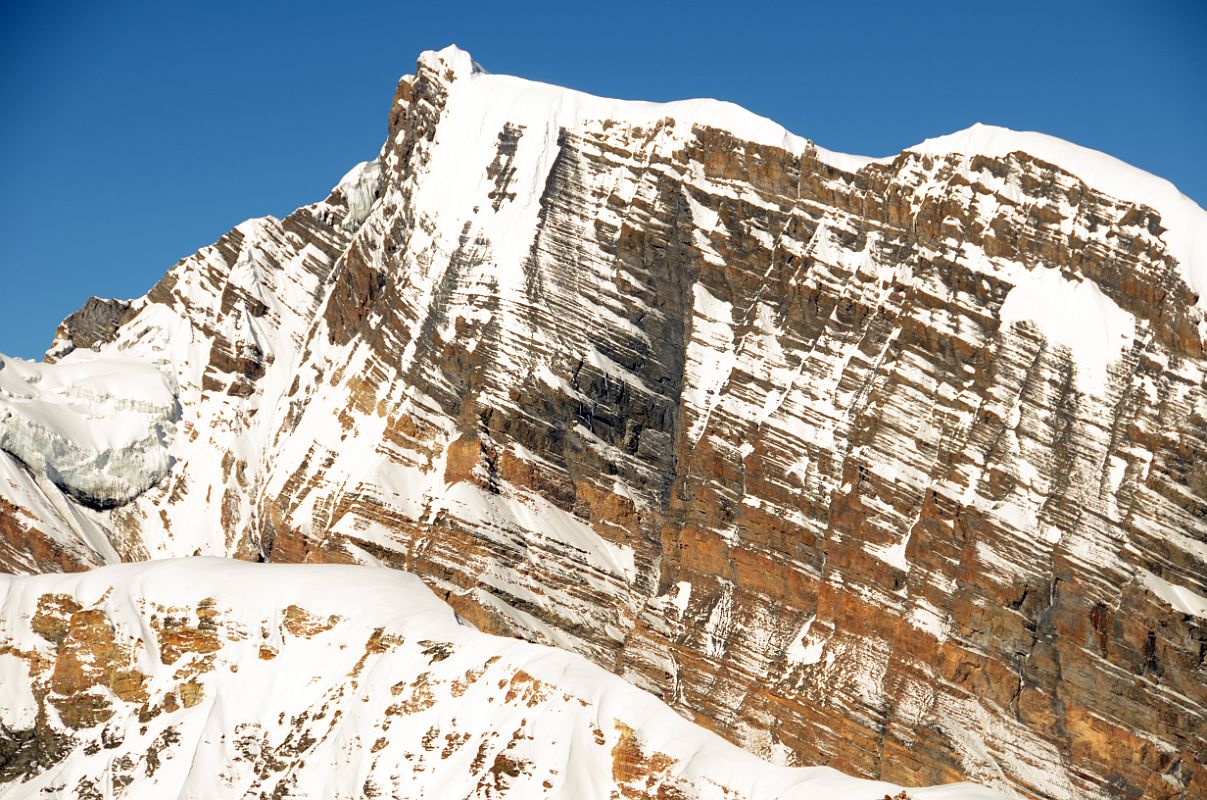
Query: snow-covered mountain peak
507	94
521	99
451	61
895	465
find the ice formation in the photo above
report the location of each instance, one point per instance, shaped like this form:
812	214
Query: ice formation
97	426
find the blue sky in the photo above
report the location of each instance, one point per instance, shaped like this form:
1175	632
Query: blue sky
134	135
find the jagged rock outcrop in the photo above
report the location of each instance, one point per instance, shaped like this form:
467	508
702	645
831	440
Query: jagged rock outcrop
895	465
93	325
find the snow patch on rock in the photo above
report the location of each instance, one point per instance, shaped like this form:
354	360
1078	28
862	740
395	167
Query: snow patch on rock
710	356
1076	314
1178	597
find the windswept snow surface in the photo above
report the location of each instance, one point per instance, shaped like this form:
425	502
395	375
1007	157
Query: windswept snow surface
332	678
98	426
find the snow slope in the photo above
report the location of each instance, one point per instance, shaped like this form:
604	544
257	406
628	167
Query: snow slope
339	682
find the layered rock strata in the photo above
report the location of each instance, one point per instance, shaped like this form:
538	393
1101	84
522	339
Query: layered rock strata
895	465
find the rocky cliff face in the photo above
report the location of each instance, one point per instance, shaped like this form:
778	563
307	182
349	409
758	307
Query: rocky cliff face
895	465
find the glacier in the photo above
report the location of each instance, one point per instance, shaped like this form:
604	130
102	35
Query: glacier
97	426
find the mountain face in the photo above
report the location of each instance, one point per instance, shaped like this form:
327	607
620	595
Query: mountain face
895	465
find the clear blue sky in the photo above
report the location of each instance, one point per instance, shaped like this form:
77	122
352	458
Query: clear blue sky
134	133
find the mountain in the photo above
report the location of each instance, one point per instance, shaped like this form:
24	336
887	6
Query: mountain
893	465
